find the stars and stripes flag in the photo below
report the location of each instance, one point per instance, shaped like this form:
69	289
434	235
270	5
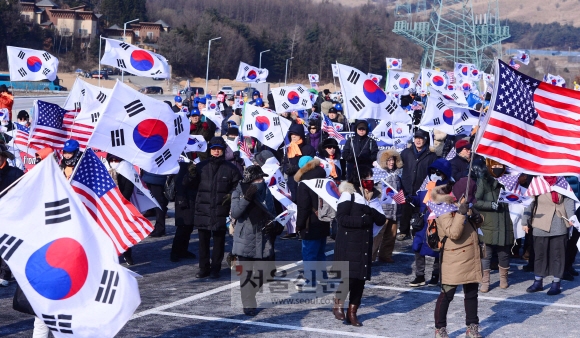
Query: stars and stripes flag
20	140
510	183
329	128
47	128
514	65
389	195
441	208
116	216
540	186
531	126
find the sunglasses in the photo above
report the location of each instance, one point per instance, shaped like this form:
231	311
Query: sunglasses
362	129
436	172
312	128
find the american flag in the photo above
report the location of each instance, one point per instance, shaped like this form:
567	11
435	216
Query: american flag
118	218
329	128
416	106
510	183
21	139
48	130
441	208
77	131
533	126
244	147
514	65
540	186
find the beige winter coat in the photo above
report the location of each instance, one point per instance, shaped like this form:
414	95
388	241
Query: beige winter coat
461	262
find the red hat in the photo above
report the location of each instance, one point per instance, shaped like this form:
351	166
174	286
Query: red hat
462	144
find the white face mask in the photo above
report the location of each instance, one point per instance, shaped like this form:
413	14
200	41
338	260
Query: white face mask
435	177
114	165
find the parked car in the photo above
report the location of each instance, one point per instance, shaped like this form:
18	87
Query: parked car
109	71
95	74
336	96
228	90
151	90
79	71
198	90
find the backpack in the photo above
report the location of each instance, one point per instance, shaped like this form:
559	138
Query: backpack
433	240
325	212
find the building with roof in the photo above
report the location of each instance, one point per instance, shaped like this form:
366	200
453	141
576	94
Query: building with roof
143	34
77	21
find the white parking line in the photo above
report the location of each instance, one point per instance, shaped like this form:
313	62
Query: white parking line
208	293
495	299
269	325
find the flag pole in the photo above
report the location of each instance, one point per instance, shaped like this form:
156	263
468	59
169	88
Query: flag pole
78	162
351	141
100	44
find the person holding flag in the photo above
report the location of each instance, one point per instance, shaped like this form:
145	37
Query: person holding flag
361	147
497	228
253	208
384	242
356	216
296	149
71	154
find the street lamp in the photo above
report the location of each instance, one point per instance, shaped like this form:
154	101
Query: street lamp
286	73
207	69
124	30
260	64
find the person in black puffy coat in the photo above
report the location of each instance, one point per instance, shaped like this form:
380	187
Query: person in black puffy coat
297	148
214	179
416	161
354	241
361	147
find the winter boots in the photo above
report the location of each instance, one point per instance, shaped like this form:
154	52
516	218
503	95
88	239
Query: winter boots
485	282
351	315
473	331
503	277
338	309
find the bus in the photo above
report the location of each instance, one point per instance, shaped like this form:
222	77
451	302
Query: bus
45	84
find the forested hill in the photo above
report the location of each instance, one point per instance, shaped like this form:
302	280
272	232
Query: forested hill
315	34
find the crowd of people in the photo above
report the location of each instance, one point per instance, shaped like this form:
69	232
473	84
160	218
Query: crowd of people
450	210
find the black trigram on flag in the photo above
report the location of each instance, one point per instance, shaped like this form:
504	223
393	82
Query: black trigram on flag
459	130
157	72
124	45
300	89
304	102
83	91
117	137
121	63
357	103
319	184
391	107
46	56
395	87
436	121
269	136
58	323
22	72
108	287
388	124
282	92
353	77
46	71
95	117
429	74
254	113
383	134
178	125
101	97
454	96
8	245
57	212
134	108
464	116
21	55
249	127
77	106
246	68
276	120
163	157
397	76
440	105
282	184
285	105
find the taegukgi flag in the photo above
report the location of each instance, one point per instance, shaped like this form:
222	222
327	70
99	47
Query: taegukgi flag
266	126
399	82
142	197
291	98
313	78
363	98
141	130
31	64
326	189
375	77
134	60
393	63
247	73
64	263
433	79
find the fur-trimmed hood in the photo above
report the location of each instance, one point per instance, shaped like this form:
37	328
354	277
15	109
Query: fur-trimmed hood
349	188
311	165
439	196
384	155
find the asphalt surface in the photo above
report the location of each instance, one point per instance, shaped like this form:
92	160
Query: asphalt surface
176	304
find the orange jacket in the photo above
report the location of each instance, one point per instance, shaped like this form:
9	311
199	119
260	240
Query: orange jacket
7	101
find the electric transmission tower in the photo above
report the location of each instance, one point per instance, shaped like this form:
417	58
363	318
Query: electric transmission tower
453	33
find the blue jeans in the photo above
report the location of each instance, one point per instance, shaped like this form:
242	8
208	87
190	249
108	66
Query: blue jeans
312	252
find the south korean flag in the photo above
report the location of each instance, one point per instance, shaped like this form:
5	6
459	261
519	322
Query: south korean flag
89	101
399	82
433	79
393	134
266	126
141	130
249	74
135	60
313	78
31	64
467	71
449	119
290	98
212	111
375	77
65	264
363	98
196	143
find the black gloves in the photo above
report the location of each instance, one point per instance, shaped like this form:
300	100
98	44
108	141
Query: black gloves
463	208
367	221
192	170
409	199
251	192
268	228
476	218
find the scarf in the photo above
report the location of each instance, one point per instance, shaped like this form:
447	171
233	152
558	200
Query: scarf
315	139
294	149
551	181
333	173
